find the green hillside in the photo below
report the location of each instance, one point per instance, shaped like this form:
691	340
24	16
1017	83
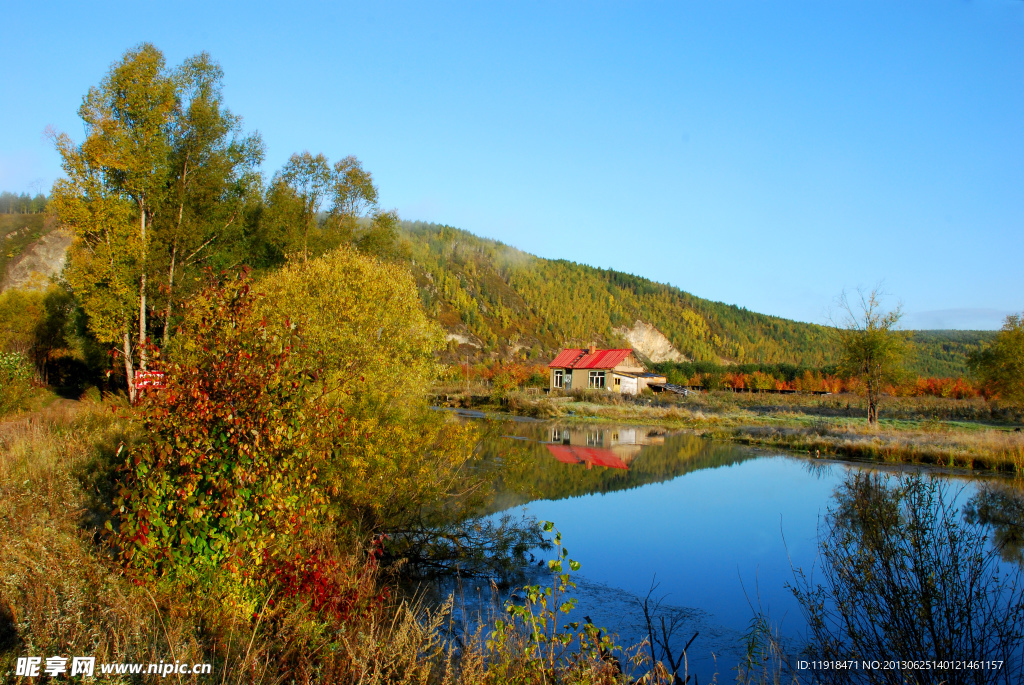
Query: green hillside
497	301
506	300
944	353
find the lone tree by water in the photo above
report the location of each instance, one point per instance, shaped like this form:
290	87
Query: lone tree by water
871	348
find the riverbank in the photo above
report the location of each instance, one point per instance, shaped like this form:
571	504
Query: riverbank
966	434
64	590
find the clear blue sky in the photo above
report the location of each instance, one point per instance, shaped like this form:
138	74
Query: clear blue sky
767	154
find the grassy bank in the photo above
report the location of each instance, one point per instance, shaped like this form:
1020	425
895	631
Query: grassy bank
64	592
966	433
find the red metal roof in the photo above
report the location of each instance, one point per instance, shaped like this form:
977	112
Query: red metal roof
563	453
570	454
565	359
582	359
602	359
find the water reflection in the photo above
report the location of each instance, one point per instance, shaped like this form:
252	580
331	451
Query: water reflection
612	447
559	461
905	578
720	525
1000	506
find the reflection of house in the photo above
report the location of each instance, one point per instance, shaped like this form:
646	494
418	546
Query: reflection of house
612	446
590	456
612	370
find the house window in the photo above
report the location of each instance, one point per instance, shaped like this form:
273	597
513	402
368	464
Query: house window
597	379
618	382
558	378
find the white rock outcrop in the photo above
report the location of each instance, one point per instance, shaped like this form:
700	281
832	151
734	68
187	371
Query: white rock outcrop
463	339
651	343
44	258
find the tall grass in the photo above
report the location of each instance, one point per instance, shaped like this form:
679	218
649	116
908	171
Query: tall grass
63	593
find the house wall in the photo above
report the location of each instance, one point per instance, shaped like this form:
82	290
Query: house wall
631	363
627	385
581	377
642	382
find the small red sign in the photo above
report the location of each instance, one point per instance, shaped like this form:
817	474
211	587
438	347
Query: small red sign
149	380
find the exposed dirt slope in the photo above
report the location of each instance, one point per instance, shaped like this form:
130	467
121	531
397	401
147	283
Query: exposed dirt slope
650	342
38	261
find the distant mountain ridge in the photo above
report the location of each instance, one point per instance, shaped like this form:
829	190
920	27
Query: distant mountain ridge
497	300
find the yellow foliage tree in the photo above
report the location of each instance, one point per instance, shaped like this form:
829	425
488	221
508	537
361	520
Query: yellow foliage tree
361	321
871	348
363	327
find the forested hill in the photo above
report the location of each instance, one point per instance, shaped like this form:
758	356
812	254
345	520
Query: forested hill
944	353
498	299
495	300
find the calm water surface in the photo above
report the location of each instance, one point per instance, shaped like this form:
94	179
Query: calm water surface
717	526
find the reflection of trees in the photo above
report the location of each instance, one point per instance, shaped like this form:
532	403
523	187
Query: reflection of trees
818	469
470	546
907	579
525	471
1001	507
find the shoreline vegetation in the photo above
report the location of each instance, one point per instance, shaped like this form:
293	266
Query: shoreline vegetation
934	431
63	591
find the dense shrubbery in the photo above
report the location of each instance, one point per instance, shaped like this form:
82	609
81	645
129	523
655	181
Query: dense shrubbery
803	379
277	421
365	333
266	465
46	327
231	451
362	324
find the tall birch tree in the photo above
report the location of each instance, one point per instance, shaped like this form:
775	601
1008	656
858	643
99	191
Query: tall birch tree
211	167
309	178
127	119
150	191
116	178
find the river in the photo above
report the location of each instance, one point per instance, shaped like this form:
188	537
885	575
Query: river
716	528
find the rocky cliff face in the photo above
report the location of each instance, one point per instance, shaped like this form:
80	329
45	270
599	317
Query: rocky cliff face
651	343
42	259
